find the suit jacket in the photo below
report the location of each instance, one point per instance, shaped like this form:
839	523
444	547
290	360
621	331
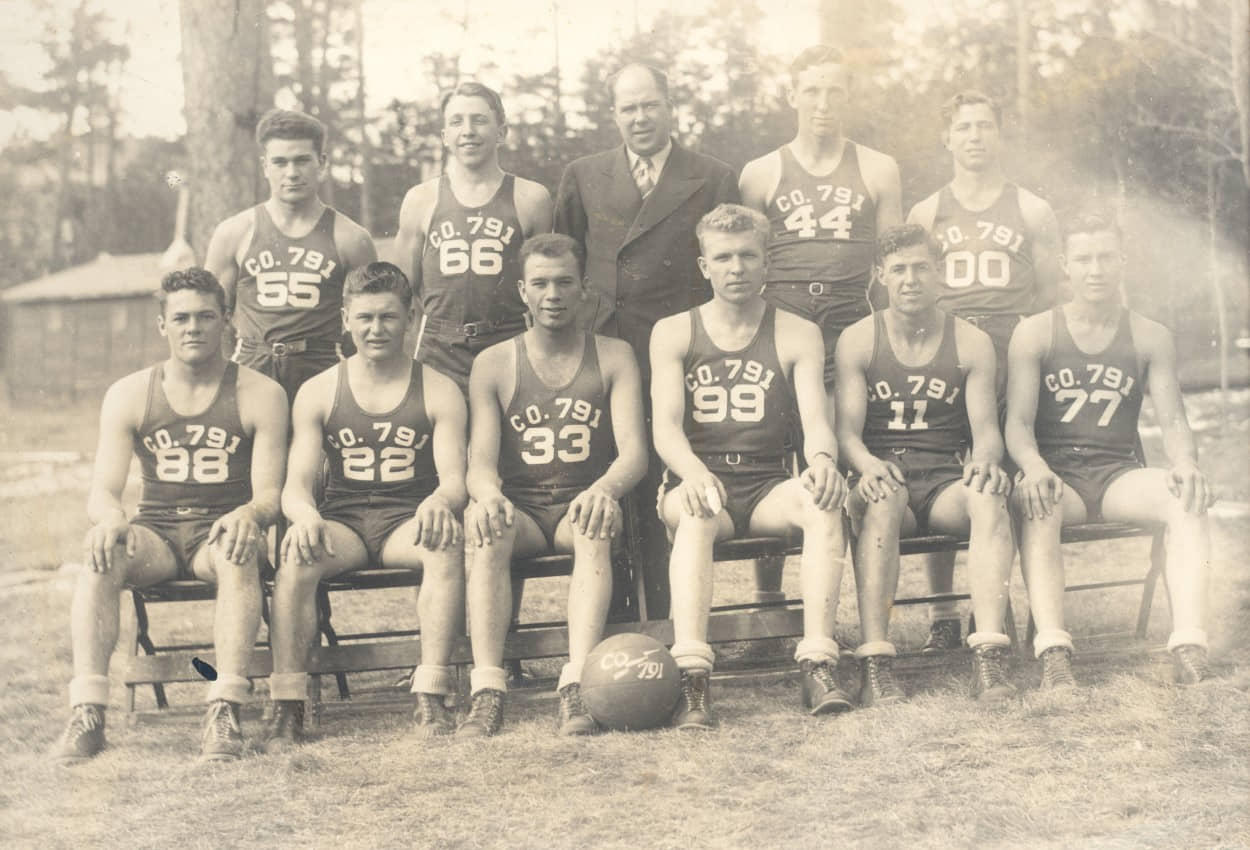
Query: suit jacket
640	255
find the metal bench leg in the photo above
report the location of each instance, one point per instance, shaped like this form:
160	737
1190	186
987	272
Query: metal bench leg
332	639
1158	563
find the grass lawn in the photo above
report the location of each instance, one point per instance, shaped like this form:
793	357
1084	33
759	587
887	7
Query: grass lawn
1129	761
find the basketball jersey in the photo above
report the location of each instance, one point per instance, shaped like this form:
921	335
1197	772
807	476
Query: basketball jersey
823	228
1089	401
737	402
386	454
556	437
199	461
290	289
987	255
915	407
471	261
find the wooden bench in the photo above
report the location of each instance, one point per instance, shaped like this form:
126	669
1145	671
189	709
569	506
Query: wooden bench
400	649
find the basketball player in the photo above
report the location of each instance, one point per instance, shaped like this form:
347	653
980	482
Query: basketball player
827	198
1077	377
918	424
1000	262
557	440
726	378
460	237
283	262
394	433
210	437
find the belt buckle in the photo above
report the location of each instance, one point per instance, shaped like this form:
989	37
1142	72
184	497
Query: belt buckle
733	458
470	329
816	287
279	349
183	510
899	450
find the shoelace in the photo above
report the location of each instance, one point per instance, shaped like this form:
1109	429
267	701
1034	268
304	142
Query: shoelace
990	666
1191	657
571	702
823	674
881	675
84	721
427	706
485	710
1055	668
696	695
221	729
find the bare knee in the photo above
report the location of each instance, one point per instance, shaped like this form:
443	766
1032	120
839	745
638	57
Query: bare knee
988	511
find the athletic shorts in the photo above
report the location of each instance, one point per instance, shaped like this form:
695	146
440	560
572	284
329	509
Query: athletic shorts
745	485
545	507
927	473
372	518
453	354
289	370
184	531
1090	472
833	312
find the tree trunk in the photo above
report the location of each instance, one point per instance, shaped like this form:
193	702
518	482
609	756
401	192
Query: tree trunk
366	153
1239	47
1217	289
1023	71
223	51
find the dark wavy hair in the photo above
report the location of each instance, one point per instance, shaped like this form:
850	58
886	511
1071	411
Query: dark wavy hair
377	277
194	278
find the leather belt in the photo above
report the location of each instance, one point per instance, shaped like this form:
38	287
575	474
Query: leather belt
471	329
815	287
293	346
739	459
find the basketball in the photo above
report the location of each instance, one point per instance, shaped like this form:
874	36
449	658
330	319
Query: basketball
630	681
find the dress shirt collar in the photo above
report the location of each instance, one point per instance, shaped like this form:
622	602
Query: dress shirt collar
657	160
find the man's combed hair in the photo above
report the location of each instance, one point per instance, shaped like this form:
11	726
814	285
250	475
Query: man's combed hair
195	279
733	218
471	88
661	80
900	236
375	278
1090	220
554	245
819	54
970	97
288	124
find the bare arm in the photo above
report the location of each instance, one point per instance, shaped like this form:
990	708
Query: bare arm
108	476
851	398
983	469
534	207
449	417
1185	479
220	259
409	241
304	458
485	412
1037	486
924	213
821	476
620	368
889	189
759	181
354	243
1047	265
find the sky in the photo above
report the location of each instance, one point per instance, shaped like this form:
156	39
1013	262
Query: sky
396	37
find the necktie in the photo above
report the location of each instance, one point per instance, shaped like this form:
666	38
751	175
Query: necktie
642	176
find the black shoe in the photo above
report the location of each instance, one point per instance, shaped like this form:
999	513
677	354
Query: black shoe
877	685
943	635
694	708
989	680
821	692
574	718
286	729
485	715
83	737
1189	664
1057	669
223	737
431	717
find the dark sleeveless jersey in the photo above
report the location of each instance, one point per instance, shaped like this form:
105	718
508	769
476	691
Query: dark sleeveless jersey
915	407
824	228
471	262
988	256
200	461
288	288
737	402
1089	401
385	454
556	437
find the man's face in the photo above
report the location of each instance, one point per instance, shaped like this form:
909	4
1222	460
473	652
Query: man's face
735	264
377	322
1094	263
973	138
820	96
293	169
643	114
910	277
192	323
471	130
552	289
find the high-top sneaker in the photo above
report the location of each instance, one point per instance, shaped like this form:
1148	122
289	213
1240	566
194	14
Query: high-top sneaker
83	737
1057	669
877	685
223	737
821	692
989	680
1189	664
694	708
485	715
574	718
286	729
431	717
943	635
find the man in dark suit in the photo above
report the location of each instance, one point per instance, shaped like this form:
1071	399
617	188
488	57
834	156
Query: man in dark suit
634	209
